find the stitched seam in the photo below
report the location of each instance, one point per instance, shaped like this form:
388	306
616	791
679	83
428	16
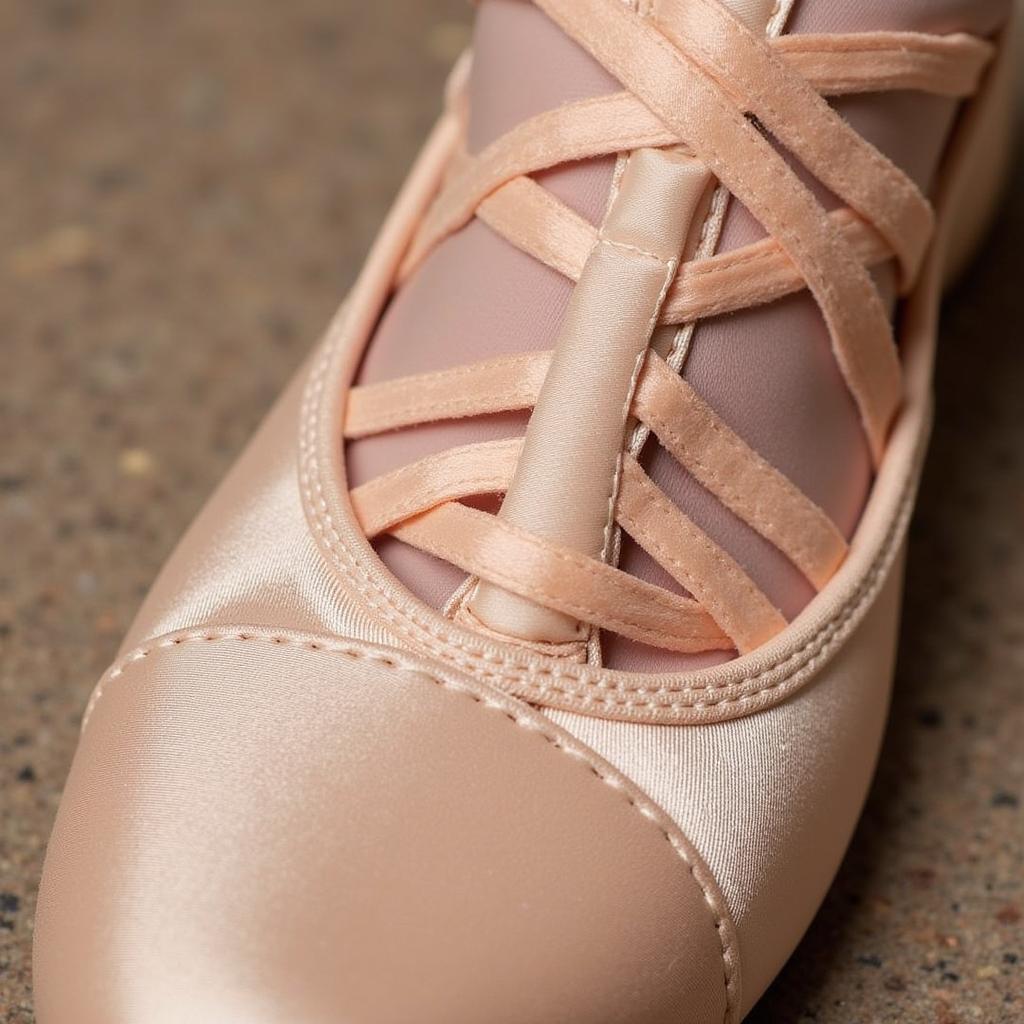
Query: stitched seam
613	496
643	807
636	250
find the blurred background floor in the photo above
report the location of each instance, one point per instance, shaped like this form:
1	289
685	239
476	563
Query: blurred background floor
187	191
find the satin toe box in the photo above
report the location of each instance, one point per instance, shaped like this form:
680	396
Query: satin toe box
270	827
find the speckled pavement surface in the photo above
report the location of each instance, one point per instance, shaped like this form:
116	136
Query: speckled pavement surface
187	190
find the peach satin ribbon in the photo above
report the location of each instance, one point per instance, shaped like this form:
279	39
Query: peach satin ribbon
694	77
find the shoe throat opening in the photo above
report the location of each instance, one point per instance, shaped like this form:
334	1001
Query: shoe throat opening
569	475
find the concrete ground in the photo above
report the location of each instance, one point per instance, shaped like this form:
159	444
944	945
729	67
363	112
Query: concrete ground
187	190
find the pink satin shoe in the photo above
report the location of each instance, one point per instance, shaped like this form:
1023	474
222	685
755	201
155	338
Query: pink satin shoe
532	662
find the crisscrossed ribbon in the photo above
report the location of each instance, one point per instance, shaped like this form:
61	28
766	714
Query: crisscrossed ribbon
695	77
